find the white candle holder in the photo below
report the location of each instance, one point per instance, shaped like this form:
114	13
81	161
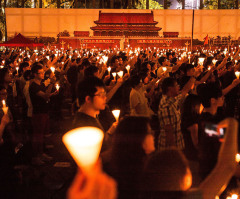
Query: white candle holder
116	114
84	145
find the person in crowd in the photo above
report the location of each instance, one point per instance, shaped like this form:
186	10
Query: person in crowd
40	96
212	98
168	175
132	143
92	98
169	114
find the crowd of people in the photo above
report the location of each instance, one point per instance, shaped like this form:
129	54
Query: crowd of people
178	125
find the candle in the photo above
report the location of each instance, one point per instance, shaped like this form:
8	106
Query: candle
109	70
52	69
189	58
17	68
62	63
237	74
84	145
57	87
3	61
214	61
237	157
116	114
164	69
4	107
209	68
114	75
201	60
120	74
236	61
105	59
128	68
234	196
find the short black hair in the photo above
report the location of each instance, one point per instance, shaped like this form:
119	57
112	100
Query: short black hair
167	82
88	87
36	67
208	91
89	71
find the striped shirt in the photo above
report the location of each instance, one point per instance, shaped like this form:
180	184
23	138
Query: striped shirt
169	114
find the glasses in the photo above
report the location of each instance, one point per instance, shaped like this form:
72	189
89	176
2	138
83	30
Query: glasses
102	94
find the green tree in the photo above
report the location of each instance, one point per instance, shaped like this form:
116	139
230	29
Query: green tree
152	5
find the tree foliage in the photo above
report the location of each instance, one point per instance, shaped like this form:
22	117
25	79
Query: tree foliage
152	5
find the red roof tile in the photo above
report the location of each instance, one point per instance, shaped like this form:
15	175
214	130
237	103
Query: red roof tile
129	18
130	28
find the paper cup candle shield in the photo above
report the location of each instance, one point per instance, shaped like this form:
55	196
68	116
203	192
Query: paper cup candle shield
84	145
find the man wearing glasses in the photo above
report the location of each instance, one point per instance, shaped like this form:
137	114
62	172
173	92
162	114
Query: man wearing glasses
40	96
92	98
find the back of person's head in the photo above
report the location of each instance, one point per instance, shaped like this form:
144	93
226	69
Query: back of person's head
3	72
128	140
23	65
167	82
88	87
27	75
209	91
183	81
161	60
168	170
135	80
187	68
189	106
36	67
47	74
90	71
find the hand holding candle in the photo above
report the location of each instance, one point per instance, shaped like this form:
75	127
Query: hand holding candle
4	107
116	114
214	61
120	74
17	68
114	76
237	74
109	70
57	87
52	69
84	145
128	68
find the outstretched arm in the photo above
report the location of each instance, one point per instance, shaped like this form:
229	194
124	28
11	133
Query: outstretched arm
217	180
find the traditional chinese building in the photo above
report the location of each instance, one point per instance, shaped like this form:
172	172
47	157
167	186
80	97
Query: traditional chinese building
126	24
119	30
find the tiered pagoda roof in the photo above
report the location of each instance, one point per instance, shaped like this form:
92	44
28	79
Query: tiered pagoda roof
126	22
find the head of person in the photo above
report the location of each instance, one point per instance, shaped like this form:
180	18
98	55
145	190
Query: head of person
91	71
37	71
189	70
132	140
91	92
162	60
211	95
5	77
168	170
23	67
27	75
115	62
170	87
3	93
192	106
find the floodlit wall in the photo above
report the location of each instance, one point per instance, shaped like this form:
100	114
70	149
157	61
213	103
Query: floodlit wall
49	22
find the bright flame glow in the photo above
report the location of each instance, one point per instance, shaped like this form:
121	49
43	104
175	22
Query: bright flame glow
84	144
116	114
